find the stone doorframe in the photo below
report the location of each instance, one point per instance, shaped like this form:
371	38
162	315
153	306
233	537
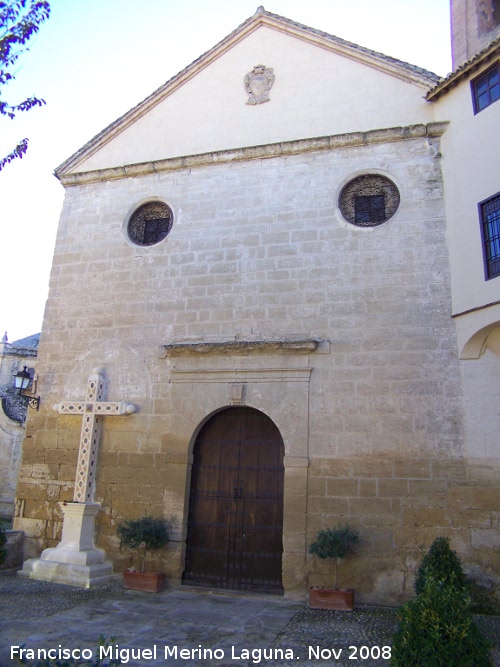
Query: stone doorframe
270	376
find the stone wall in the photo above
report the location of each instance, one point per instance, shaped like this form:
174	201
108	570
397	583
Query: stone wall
11	437
400	505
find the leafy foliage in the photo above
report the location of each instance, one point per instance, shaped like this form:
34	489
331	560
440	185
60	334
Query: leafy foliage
147	532
3	542
437	629
19	21
442	564
334	543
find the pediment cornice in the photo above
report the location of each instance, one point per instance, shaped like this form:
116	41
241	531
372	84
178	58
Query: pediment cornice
281	149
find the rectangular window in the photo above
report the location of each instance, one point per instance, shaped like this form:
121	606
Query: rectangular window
369	209
486	88
490	225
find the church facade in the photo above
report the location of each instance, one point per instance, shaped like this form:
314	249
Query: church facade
277	259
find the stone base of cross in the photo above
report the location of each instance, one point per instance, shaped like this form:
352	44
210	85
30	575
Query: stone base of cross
75	560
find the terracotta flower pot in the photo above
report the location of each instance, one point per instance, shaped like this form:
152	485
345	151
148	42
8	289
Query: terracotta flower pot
337	599
150	582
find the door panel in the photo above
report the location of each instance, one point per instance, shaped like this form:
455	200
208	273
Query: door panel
235	519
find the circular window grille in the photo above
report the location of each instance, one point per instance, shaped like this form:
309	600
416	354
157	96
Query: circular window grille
368	201
150	223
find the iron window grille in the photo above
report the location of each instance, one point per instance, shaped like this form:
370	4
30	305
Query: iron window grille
486	88
150	223
369	200
490	226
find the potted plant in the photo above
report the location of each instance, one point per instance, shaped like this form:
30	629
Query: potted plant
148	533
333	543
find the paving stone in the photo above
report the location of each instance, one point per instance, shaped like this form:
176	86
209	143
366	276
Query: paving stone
44	615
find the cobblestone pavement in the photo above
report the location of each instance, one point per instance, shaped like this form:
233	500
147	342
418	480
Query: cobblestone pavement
239	630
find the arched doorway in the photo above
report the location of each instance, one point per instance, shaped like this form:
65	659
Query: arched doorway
235	520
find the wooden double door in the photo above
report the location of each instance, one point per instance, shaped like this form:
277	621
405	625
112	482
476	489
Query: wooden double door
235	520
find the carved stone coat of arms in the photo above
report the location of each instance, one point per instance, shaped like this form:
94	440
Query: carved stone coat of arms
258	83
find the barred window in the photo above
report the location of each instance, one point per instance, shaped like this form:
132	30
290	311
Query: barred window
369	201
369	209
490	225
150	223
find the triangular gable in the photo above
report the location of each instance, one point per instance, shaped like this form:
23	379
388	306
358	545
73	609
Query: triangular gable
377	61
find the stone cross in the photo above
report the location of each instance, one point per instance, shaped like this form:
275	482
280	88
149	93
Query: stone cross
92	408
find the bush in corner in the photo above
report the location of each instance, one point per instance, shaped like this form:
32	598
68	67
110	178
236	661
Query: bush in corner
437	629
442	564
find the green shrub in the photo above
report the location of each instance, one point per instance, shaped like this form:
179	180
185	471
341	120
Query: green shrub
6	524
145	532
437	629
442	564
3	542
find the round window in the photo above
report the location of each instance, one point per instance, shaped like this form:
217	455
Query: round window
150	223
368	201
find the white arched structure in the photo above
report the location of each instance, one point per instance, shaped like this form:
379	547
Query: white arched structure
476	331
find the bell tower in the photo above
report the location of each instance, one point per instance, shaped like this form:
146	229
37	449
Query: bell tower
474	25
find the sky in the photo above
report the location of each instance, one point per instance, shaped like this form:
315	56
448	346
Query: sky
93	60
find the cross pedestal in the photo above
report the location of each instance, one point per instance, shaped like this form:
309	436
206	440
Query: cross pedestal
76	560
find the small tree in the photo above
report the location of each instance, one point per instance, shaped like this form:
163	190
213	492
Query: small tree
334	543
146	532
19	21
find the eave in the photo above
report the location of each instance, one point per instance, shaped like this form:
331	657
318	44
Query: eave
484	57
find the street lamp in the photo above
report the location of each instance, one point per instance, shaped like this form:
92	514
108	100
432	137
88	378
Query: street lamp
22	381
